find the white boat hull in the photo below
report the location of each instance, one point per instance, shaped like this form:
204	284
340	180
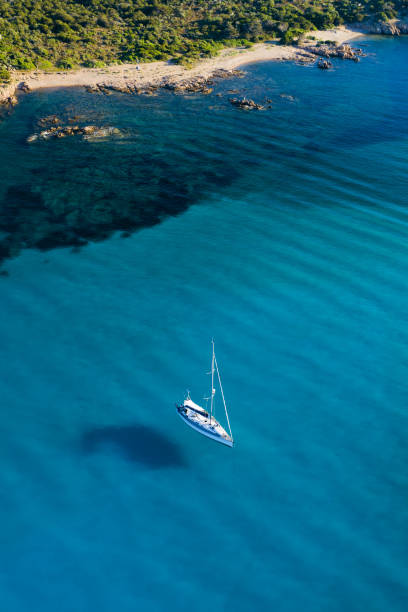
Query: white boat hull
203	425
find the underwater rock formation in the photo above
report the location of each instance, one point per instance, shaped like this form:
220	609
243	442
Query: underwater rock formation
83	194
287	97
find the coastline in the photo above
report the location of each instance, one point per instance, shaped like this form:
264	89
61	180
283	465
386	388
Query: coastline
152	73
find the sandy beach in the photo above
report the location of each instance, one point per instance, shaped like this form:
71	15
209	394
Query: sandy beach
154	72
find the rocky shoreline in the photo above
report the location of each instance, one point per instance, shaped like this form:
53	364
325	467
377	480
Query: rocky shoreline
345	52
204	85
198	84
308	54
201	79
9	93
395	27
147	79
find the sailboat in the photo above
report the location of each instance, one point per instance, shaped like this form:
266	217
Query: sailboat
200	419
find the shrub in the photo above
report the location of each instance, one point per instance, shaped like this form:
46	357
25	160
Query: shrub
24	63
90	63
103	21
44	64
5	75
66	63
291	35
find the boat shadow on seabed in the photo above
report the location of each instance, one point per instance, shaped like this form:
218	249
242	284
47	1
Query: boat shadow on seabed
136	443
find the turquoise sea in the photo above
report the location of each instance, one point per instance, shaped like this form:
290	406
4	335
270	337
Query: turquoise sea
283	234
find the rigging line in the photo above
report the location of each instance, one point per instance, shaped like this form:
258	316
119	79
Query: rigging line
222	394
212	380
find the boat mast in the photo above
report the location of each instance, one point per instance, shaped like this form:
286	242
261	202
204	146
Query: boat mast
212	379
222	394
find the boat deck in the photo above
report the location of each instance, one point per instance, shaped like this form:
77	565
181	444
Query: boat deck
210	427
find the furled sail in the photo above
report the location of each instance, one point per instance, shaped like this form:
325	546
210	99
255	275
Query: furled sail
188	403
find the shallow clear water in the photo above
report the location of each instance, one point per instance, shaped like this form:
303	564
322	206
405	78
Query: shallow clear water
294	257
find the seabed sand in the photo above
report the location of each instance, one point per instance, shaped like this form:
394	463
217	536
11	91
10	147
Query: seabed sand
154	72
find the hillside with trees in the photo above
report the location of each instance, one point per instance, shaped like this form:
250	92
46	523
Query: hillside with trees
49	34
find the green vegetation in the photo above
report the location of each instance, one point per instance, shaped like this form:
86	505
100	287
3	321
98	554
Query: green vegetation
4	75
51	34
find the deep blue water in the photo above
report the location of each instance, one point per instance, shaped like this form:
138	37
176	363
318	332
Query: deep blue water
290	248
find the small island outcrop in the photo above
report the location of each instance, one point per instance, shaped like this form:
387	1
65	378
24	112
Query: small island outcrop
246	104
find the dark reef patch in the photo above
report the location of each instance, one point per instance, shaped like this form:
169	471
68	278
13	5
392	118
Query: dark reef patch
32	219
74	191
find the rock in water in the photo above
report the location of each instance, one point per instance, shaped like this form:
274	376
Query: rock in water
24	87
324	64
102	132
32	138
246	104
88	132
287	97
48	121
344	51
10	101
